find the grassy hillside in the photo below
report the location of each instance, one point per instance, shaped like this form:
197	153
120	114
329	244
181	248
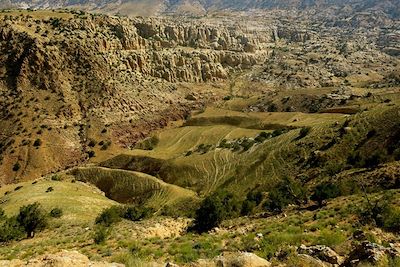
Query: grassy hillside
135	187
80	202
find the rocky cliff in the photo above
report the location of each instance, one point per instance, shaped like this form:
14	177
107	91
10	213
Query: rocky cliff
69	78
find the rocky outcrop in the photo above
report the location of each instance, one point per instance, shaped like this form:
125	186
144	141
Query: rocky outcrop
322	253
370	253
243	259
62	259
103	70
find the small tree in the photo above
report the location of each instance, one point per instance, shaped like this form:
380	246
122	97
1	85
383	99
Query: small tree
325	191
32	219
288	191
214	209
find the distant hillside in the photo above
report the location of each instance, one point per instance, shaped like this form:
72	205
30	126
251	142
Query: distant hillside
153	7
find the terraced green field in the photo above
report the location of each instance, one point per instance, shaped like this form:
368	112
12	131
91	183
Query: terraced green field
80	202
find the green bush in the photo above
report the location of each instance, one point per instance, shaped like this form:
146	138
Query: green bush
37	143
55	178
253	199
92	143
325	191
255	196
56	213
262	137
288	191
277	132
247	207
136	213
110	216
214	209
381	213
100	235
32	219
2	214
49	189
304	132
10	229
16	167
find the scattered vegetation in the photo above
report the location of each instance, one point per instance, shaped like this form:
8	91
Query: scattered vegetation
115	214
214	209
286	192
325	191
32	218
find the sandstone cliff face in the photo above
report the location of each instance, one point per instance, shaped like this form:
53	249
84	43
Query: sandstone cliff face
80	75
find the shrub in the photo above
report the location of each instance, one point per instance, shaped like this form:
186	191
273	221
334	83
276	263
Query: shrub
288	191
214	209
100	235
136	213
255	196
32	219
37	143
55	178
272	108
49	189
304	132
18	188
381	213
16	167
262	137
92	143
105	145
247	207
277	132
325	191
56	213
110	216
148	143
10	229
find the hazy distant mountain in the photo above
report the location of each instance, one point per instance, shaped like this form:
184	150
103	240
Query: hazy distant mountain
151	7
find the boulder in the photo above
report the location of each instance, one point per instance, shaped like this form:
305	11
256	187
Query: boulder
61	259
244	259
323	253
370	253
